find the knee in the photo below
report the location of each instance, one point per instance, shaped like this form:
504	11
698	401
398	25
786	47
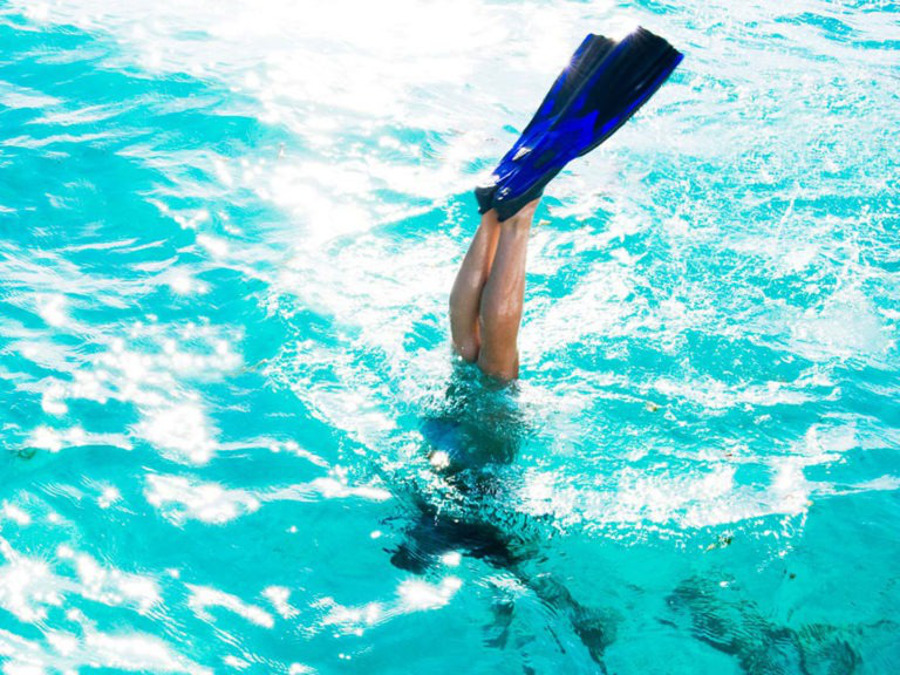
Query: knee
467	348
464	334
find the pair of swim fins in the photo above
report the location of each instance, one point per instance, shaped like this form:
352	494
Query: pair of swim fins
605	83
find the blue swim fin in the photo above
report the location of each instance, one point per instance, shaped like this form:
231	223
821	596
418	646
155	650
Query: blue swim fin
603	86
566	85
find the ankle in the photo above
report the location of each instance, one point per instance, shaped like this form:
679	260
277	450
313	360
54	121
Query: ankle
526	214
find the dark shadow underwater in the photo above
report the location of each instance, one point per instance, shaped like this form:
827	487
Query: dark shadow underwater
471	434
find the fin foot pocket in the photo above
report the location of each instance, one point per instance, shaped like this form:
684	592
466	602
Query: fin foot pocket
604	84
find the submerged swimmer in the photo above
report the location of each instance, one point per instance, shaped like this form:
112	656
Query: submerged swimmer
477	429
602	87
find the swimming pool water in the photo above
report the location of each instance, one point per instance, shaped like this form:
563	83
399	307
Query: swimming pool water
236	442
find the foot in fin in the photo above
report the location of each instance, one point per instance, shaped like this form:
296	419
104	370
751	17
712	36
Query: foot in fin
566	85
603	86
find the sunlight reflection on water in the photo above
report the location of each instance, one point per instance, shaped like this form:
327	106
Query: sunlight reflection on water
232	228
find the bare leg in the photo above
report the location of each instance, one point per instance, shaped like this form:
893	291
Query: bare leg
503	296
465	298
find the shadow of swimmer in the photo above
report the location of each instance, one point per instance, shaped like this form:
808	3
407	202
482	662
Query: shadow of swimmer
737	627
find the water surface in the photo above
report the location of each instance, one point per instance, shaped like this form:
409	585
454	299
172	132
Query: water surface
236	440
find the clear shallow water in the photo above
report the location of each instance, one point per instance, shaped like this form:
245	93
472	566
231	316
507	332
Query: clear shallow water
228	236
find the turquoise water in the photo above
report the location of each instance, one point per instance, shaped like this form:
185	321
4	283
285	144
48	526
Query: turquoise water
236	442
